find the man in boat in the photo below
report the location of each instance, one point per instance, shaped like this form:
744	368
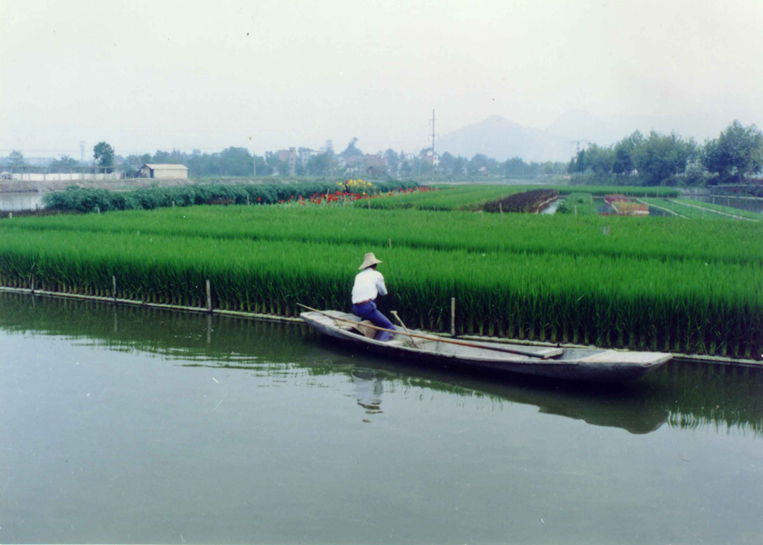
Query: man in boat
369	284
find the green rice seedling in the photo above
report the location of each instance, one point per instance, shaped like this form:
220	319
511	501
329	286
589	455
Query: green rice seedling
687	305
653	237
578	204
756	216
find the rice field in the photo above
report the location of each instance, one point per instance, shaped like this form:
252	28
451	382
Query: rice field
720	208
686	211
475	197
652	283
578	204
647	238
646	304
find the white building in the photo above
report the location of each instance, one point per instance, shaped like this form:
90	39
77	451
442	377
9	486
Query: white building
165	172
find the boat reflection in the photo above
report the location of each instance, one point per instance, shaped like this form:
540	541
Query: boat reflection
684	396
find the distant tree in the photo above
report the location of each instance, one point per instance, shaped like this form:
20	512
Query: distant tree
459	166
660	157
16	159
235	162
600	160
263	169
624	151
578	163
476	163
393	159
64	163
351	150
737	152
132	163
318	165
446	164
103	154
515	168
300	169
283	168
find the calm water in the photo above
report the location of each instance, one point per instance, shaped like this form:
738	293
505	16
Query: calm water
20	201
132	425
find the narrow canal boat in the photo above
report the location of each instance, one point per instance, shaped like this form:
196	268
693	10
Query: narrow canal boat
579	364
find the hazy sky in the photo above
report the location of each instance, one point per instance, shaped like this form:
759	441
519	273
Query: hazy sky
269	74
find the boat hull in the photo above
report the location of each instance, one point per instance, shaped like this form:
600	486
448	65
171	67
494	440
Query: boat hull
594	365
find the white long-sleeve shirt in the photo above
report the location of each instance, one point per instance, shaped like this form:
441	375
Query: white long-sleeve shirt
368	285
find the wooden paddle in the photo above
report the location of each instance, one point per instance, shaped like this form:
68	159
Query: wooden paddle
394	313
442	340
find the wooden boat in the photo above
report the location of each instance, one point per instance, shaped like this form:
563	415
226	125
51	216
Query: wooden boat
579	364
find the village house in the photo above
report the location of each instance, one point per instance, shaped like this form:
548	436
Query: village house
375	164
288	156
164	172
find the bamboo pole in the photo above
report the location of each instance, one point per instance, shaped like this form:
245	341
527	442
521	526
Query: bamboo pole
435	338
114	288
394	313
209	297
453	316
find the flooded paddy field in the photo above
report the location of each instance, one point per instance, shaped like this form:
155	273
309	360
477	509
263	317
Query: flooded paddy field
123	424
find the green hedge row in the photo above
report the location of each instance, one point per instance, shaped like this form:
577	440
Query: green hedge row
104	200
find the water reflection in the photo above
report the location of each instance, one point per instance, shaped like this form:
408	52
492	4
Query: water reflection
683	396
20	201
368	389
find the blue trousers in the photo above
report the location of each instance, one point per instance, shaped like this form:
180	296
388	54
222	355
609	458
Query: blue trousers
368	311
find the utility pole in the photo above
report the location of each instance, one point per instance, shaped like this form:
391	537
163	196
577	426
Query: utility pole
433	156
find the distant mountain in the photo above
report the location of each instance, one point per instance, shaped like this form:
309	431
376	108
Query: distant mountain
502	139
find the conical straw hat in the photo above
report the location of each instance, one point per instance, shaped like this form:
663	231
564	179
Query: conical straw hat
368	260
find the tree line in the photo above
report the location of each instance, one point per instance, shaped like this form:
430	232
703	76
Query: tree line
659	159
656	159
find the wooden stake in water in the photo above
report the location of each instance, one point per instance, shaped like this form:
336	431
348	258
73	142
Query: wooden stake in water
32	284
114	288
453	316
209	297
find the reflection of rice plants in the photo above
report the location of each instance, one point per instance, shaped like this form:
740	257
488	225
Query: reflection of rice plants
679	305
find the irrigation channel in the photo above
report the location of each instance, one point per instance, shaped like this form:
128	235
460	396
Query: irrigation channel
128	424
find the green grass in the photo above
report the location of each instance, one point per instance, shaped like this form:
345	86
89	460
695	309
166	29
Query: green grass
475	196
580	204
720	208
682	208
643	238
686	306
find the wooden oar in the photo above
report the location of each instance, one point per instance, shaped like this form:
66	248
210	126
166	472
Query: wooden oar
438	339
394	313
